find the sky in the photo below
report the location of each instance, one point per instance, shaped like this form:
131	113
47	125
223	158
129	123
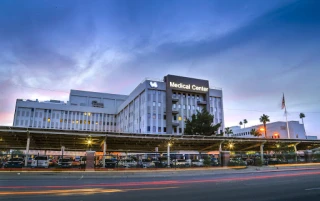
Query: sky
254	50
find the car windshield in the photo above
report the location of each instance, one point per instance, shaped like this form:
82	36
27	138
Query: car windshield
65	160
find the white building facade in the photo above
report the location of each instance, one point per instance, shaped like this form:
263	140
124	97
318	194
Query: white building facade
275	130
157	107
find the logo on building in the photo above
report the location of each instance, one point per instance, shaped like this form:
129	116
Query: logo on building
153	84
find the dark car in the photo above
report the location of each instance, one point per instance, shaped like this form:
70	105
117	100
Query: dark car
110	163
65	163
214	162
14	163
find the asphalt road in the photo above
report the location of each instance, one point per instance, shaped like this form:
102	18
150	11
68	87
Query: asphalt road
288	185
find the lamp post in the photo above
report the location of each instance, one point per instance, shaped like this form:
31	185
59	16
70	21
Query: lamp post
89	142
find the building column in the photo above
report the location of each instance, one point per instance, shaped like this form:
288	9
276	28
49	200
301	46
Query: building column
27	150
168	155
104	152
261	153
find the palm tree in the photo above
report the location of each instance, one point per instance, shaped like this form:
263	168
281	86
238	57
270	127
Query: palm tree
228	131
245	121
264	119
301	115
255	133
240	123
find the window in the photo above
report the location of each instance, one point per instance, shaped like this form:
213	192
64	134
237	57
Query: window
88	122
164	117
153	129
175	129
61	120
175	117
153	103
40	114
153	115
179	118
89	114
36	114
148	128
23	113
297	136
180	130
49	119
159	129
27	114
80	121
184	106
174	106
189	107
77	122
198	108
159	104
53	115
18	113
149	115
164	129
193	107
179	106
159	116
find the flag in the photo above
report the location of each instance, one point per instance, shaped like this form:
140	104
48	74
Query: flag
283	103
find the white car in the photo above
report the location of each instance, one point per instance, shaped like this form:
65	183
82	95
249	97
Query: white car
40	161
197	163
180	162
127	163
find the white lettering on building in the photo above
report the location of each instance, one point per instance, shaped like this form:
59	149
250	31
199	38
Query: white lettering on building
188	86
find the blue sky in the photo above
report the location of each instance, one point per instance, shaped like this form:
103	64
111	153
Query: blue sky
254	50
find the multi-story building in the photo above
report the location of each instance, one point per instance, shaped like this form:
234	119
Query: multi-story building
274	130
152	107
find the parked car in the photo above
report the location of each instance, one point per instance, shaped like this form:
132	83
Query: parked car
52	162
214	162
146	163
164	162
180	163
197	163
40	161
65	163
110	163
127	163
274	161
14	163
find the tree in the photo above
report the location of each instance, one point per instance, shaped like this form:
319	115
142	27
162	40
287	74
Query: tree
201	124
245	121
301	115
255	133
228	131
264	119
240	123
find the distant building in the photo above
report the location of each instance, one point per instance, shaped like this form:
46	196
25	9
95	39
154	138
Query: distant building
154	106
274	130
312	137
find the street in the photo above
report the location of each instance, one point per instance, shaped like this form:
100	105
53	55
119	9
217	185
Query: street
284	185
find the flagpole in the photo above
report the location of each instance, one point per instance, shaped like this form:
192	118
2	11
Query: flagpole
285	111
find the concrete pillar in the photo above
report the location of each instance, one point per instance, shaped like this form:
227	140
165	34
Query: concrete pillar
168	156
27	151
225	158
308	156
104	152
261	154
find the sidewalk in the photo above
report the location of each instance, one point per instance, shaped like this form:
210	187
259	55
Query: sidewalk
151	173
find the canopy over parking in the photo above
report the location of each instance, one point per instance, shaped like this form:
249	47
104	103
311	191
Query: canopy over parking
51	139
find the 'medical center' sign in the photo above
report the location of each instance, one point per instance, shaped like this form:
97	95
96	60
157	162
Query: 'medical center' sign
188	87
